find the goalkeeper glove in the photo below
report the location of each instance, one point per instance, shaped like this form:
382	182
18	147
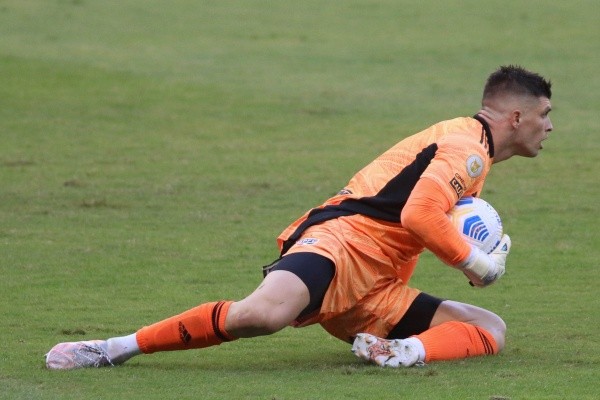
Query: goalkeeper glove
484	269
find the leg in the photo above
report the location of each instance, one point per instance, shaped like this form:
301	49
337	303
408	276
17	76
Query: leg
461	330
438	330
454	311
297	286
271	307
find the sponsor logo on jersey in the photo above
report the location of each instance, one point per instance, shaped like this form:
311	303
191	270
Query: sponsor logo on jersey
458	184
307	241
474	165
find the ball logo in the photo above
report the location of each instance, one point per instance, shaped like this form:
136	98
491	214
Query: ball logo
475	227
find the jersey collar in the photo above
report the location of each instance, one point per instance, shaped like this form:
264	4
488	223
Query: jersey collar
488	133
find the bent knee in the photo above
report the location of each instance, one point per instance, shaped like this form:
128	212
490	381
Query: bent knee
491	322
495	326
498	331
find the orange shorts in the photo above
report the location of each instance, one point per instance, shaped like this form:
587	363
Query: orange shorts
368	292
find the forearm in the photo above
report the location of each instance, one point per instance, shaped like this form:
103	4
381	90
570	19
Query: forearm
424	215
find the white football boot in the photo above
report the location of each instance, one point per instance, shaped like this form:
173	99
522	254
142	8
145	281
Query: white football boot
72	355
386	353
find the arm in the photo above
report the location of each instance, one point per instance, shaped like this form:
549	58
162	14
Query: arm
424	215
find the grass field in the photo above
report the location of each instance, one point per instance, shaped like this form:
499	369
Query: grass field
151	151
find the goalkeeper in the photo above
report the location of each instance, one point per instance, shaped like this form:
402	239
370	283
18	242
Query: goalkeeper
347	263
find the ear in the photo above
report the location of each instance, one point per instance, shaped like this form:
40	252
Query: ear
515	118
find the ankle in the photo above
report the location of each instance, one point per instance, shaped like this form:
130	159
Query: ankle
121	349
418	345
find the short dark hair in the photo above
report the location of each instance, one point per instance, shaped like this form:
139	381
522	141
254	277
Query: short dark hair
517	80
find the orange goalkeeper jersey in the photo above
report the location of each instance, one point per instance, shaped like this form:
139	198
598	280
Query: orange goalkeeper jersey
410	188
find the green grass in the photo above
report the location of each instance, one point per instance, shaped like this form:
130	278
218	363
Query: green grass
151	151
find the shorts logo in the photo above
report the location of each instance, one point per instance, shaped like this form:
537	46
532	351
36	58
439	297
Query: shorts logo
474	166
307	241
458	184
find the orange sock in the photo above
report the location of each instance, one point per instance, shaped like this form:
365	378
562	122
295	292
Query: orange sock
202	326
454	339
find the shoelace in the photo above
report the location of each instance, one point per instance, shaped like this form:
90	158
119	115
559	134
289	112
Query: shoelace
101	357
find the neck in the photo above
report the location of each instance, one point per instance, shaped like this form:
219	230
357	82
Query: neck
501	131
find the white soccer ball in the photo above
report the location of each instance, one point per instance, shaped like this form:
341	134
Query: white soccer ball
478	222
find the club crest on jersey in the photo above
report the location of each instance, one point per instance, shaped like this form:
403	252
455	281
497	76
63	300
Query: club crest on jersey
307	241
474	166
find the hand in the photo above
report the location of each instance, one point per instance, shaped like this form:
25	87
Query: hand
484	269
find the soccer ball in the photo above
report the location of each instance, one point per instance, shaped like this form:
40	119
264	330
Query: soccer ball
478	222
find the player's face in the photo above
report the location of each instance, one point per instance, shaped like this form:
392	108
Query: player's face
534	127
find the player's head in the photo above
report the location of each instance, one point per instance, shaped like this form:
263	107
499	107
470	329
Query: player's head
518	101
515	80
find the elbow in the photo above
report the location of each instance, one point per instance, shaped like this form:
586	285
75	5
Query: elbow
410	218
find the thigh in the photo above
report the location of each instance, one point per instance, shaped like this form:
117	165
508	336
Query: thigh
315	271
273	305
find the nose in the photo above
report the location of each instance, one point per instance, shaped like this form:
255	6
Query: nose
550	127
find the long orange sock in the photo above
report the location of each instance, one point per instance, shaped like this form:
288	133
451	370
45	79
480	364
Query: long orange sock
202	326
452	340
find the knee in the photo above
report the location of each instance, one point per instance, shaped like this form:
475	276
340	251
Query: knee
498	330
455	311
245	320
271	307
494	325
260	320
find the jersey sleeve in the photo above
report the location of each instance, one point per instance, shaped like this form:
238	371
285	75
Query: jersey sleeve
424	215
458	168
